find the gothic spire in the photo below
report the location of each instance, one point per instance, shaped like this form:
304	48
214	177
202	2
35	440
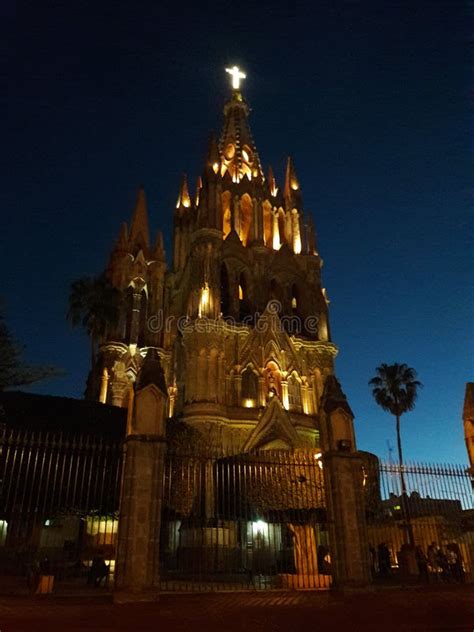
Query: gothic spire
237	148
198	191
139	232
184	199
272	185
213	157
159	250
291	181
122	241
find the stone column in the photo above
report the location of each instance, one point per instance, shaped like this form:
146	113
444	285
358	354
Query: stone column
137	563
343	480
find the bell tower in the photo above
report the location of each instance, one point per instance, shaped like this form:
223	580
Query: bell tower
243	330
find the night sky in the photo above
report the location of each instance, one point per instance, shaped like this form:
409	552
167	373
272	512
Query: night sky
371	100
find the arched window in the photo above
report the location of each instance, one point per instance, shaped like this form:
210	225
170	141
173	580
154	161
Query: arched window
249	388
294	299
294	393
225	297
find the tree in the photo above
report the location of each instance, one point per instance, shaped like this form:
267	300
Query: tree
13	371
395	389
94	304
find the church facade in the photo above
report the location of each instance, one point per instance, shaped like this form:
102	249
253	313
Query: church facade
239	320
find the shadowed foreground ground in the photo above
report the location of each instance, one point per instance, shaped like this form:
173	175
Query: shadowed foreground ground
384	610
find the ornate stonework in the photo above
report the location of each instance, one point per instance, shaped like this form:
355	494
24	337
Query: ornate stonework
240	319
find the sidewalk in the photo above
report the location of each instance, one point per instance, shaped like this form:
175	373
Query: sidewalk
412	609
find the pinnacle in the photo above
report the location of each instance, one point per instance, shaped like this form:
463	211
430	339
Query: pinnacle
272	185
213	156
184	199
139	232
291	181
159	250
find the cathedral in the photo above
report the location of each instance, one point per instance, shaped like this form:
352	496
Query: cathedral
239	318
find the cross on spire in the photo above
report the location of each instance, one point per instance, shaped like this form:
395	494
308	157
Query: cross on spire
237	75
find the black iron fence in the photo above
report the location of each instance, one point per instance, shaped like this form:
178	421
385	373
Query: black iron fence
247	521
59	498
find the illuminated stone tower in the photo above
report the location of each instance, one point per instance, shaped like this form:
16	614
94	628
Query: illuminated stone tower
240	320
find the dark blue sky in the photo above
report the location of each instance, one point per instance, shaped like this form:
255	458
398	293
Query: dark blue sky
372	101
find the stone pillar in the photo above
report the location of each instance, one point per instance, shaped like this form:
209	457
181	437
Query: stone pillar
343	481
137	563
118	383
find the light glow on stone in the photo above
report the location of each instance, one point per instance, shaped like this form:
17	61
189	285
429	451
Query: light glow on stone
204	301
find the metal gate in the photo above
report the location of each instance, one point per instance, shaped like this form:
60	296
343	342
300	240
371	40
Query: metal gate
251	521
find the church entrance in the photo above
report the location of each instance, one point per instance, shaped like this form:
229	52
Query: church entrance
250	521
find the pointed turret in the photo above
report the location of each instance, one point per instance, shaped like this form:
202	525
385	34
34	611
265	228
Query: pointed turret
198	191
184	199
139	232
238	151
159	249
292	186
213	159
272	185
122	241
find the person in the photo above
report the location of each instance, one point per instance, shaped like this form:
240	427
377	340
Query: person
422	562
453	554
373	561
33	577
324	565
433	560
383	554
99	570
443	564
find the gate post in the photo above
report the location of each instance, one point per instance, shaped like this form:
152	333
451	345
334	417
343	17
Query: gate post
343	483
343	480
137	563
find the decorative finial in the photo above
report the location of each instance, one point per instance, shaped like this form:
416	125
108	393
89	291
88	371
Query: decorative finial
237	75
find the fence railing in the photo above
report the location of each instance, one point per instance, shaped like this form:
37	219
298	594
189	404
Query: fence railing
248	521
255	520
59	498
436	513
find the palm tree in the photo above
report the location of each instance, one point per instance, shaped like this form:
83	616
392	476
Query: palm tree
395	389
94	304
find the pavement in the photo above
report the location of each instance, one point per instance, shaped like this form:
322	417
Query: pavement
387	609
